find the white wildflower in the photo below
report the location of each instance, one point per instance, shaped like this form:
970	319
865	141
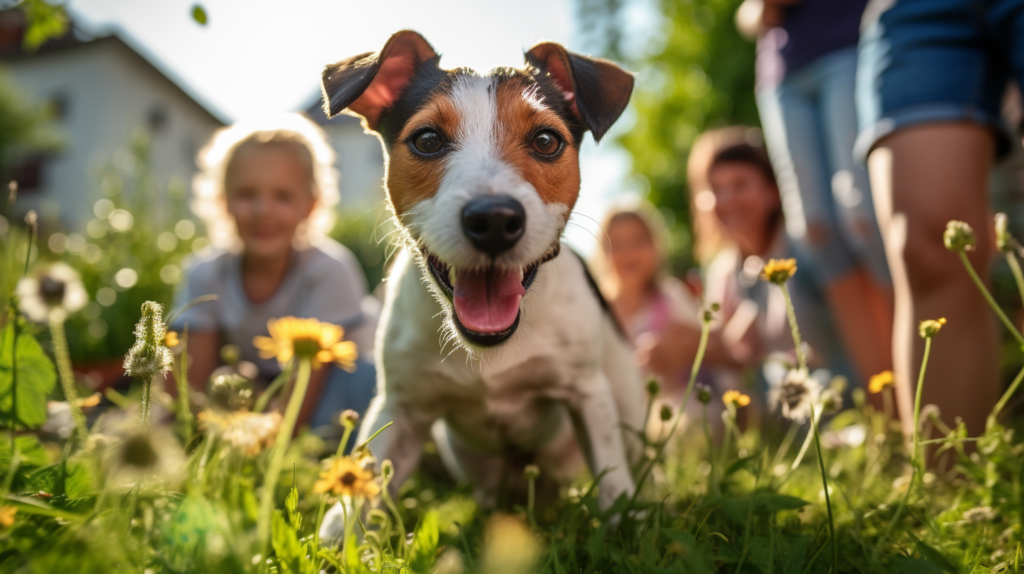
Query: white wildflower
56	288
795	394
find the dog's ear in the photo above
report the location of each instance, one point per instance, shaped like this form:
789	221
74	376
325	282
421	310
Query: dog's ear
596	89
370	83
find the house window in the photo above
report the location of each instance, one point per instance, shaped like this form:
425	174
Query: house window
28	172
156	118
59	105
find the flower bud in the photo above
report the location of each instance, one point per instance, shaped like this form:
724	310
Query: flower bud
1004	241
930	327
653	387
959	236
703	393
666	413
531	472
31	218
230	354
148	356
349	418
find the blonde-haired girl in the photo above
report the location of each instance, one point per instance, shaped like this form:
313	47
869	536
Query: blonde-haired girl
266	191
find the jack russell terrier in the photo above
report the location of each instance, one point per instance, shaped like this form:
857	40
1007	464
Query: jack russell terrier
493	340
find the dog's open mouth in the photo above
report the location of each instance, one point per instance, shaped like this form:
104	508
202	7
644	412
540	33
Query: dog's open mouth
485	301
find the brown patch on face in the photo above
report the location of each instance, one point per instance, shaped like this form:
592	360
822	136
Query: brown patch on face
520	115
411	178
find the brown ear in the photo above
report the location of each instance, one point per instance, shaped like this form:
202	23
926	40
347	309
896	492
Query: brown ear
370	83
597	89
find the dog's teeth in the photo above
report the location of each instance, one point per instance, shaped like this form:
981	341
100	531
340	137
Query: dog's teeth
522	273
451	276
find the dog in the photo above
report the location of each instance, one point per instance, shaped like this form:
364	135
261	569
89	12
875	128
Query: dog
493	340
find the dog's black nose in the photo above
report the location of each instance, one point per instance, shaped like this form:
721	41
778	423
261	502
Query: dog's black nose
494	223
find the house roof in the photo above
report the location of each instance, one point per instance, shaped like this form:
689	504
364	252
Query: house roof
12	28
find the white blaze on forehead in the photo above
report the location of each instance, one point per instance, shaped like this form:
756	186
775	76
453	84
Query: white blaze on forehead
473	98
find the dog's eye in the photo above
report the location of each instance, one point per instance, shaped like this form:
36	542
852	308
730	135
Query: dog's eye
546	142
428	142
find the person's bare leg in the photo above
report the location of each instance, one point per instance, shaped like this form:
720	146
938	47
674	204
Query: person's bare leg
922	177
858	304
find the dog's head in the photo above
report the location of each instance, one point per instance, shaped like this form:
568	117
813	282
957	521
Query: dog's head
482	170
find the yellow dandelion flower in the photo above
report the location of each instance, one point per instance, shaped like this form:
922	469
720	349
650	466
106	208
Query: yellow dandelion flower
778	271
346	477
880	381
735	398
931	327
7	515
171	339
307	339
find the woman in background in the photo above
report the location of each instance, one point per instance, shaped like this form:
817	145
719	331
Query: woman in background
266	191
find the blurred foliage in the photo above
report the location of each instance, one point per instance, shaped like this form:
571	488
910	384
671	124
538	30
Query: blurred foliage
127	253
694	72
45	21
199	14
25	127
367	235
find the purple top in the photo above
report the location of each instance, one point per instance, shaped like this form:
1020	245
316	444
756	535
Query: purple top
810	30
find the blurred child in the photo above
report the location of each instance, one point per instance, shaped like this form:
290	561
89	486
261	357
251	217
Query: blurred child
266	191
645	299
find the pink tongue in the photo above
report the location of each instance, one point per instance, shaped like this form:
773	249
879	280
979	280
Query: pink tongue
488	301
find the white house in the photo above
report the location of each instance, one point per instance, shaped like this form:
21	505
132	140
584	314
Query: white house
360	158
102	88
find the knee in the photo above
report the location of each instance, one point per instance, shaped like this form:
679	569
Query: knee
930	267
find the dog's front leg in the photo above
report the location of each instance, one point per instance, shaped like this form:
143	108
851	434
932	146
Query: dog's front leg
599	432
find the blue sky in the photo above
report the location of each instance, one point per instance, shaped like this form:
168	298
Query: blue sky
257	57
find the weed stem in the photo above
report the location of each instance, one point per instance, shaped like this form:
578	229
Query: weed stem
67	375
284	436
991	302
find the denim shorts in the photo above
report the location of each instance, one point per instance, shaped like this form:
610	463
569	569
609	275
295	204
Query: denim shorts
925	61
810	126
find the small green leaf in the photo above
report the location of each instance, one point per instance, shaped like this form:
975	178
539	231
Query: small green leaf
199	14
36	377
424	544
45	21
286	545
353	565
292	503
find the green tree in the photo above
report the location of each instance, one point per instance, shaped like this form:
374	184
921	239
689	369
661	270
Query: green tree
694	72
